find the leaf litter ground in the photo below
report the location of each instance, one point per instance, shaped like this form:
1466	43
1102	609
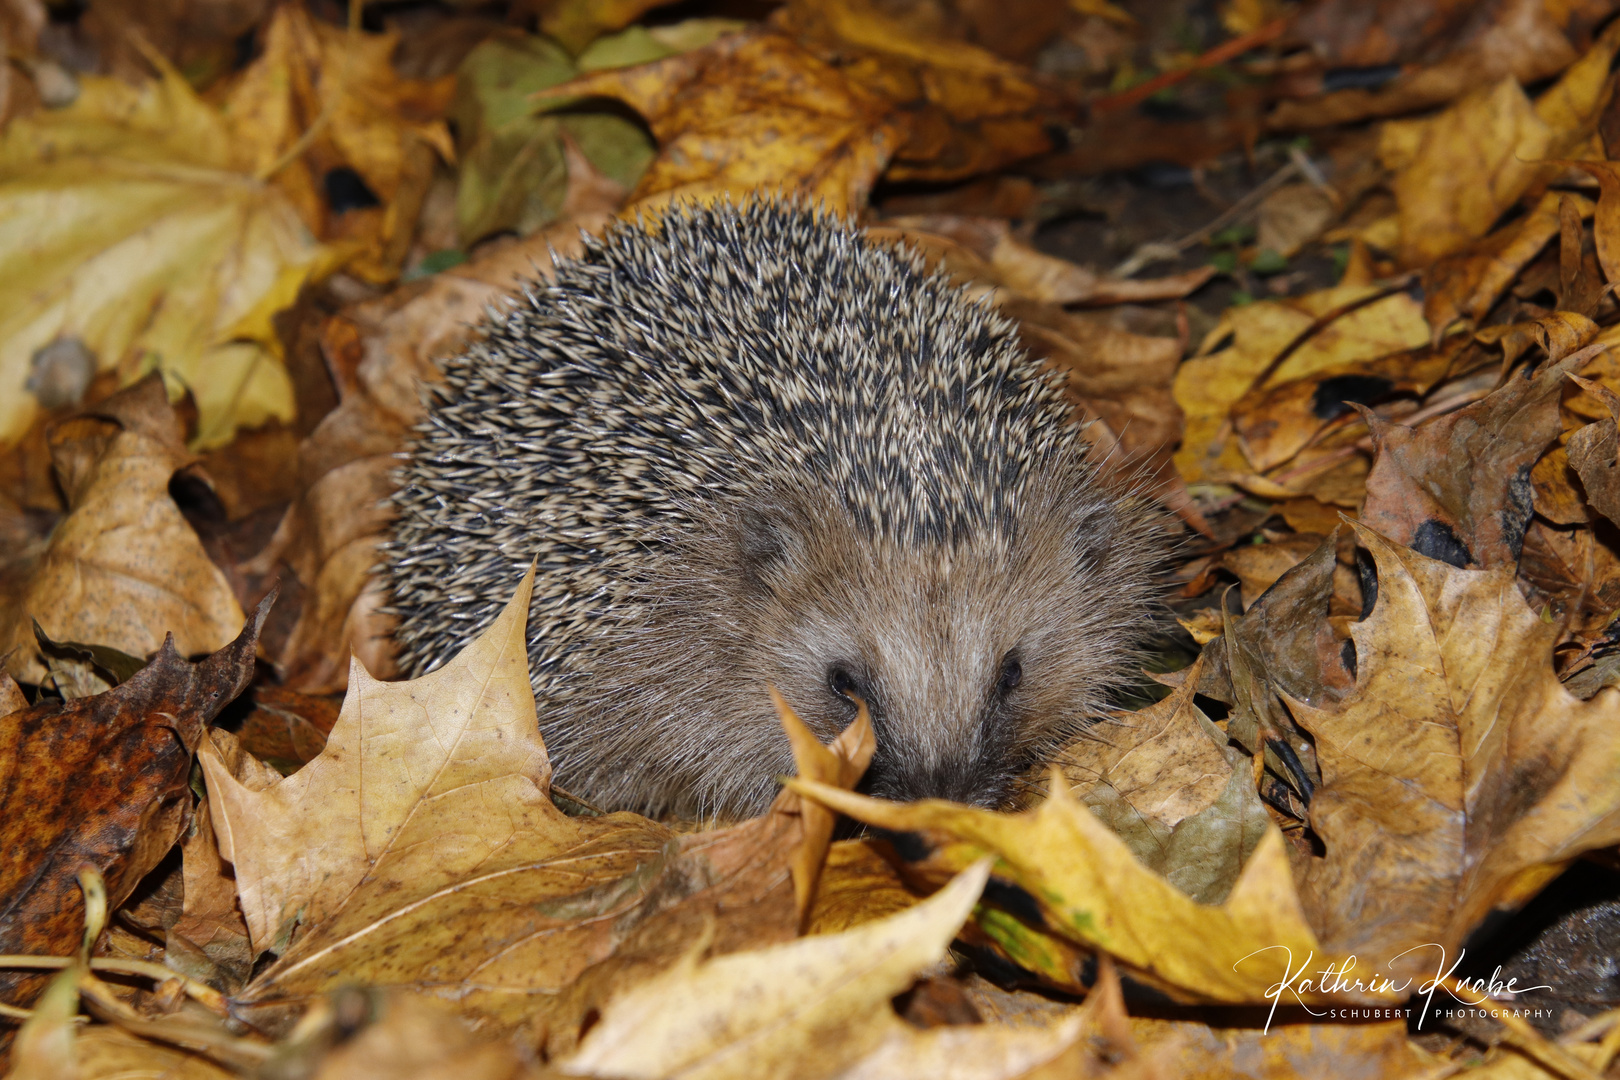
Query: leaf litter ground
1398	731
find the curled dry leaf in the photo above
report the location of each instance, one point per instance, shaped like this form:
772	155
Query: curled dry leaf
138	230
421	850
102	780
1467	284
984	251
803	1009
1258	347
1458	775
1524	39
1592	453
752	111
1092	891
124	568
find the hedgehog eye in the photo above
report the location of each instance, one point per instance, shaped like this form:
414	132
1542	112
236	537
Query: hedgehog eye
844	683
1012	673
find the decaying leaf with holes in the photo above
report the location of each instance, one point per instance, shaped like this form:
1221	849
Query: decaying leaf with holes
1458	775
102	780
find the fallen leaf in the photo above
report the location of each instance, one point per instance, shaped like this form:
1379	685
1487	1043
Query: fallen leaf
994	257
103	781
320	98
1274	342
966	110
514	173
414	1039
1167	782
1499	139
1592	452
1458	487
420	850
1293	216
1467	284
1458	775
576	23
859	883
841	764
124	568
1092	891
139	231
739	1016
1524	39
1273	425
1377	1042
752	110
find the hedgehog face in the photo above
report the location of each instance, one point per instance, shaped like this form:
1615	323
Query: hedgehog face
975	660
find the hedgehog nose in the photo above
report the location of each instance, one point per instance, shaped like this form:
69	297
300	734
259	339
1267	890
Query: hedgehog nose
907	781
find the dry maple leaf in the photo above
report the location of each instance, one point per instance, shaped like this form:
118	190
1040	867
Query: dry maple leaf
1264	345
1092	891
803	1009
421	850
1458	775
104	781
752	111
124	568
136	230
966	110
1592	452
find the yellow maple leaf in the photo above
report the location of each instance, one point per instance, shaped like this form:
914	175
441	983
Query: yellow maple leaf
132	224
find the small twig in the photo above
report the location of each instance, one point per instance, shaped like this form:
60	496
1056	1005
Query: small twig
202	993
1163	251
1220	54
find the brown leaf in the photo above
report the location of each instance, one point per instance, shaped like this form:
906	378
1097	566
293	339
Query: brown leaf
577	23
102	780
859	883
1165	779
841	764
1497	137
1592	452
1275	424
1466	285
1004	261
338	93
1458	488
966	111
737	1016
1458	775
124	568
754	110
1462	44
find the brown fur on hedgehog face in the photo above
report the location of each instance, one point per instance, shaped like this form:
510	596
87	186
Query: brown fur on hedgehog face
976	659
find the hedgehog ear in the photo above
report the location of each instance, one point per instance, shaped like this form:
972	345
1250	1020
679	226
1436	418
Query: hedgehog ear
767	544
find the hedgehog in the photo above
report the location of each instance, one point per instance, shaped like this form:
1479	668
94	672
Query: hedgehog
747	447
